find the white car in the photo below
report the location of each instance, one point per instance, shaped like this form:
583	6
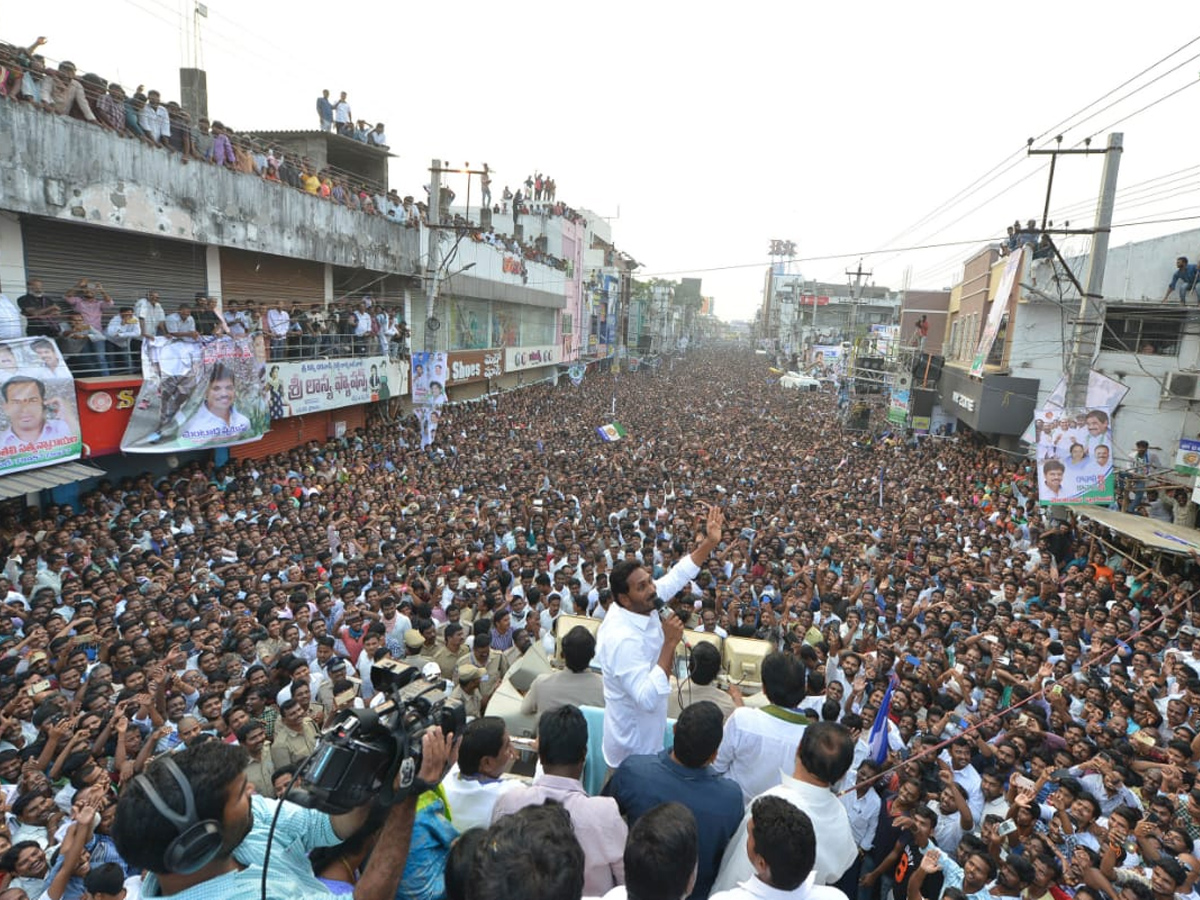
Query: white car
798	382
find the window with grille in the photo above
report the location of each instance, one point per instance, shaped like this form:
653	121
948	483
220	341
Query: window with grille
1150	331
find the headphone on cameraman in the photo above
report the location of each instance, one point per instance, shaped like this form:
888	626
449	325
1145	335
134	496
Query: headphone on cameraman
199	840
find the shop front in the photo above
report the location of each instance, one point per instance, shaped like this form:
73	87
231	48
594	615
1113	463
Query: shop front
999	405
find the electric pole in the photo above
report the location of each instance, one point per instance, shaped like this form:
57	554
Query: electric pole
433	262
1091	301
858	274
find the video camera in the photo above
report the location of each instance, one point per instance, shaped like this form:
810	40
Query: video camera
362	751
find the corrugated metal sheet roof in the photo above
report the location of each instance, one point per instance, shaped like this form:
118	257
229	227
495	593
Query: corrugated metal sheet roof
41	479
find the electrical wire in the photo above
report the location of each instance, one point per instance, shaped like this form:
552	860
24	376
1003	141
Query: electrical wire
976	185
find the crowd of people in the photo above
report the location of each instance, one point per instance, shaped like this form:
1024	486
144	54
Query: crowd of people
963	696
97	335
141	115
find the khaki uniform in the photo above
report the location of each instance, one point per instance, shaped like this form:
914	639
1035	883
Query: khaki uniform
694	693
557	689
259	773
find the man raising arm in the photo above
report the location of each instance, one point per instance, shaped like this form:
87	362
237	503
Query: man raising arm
636	649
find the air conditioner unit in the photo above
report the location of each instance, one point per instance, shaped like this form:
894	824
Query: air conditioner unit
903	381
1183	385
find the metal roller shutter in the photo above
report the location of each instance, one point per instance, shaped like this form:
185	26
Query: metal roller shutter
128	264
284	435
261	277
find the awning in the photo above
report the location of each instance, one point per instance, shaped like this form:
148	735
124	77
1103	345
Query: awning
40	479
1155	533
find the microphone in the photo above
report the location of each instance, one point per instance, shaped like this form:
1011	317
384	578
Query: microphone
661	608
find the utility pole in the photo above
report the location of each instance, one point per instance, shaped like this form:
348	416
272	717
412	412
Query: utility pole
858	274
433	263
1091	301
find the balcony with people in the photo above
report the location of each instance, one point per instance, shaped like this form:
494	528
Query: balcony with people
86	147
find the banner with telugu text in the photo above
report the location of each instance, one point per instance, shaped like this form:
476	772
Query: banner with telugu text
39	424
297	388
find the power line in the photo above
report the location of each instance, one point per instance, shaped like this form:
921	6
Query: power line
976	186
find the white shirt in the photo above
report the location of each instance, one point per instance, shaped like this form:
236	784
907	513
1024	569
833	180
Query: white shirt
10	319
204	427
635	687
278	322
757	749
947	833
863	813
151	315
970	781
754	888
177	324
121	333
155	121
836	850
472	799
53	430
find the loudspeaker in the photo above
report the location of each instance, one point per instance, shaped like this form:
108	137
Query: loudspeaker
923	361
198	841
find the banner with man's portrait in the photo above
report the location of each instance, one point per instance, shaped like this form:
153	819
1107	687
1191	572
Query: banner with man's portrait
206	393
39	421
429	373
1075	455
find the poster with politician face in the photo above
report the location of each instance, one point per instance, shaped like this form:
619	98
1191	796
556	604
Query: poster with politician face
206	393
1075	455
39	421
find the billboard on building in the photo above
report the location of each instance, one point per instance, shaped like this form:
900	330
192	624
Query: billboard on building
198	393
475	365
1008	280
40	421
518	358
297	388
1075	455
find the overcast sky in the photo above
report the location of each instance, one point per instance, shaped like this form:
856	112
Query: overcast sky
704	131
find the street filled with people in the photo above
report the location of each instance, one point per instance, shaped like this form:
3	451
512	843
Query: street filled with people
173	647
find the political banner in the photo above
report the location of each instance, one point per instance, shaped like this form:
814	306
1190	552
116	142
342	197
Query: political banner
898	408
40	421
296	388
428	417
613	431
1075	456
198	393
1102	393
991	327
575	373
429	371
1187	457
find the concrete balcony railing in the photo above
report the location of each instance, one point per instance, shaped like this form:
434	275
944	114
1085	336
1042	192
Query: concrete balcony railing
65	169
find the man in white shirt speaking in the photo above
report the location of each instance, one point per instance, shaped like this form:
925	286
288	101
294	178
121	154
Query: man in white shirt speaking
636	649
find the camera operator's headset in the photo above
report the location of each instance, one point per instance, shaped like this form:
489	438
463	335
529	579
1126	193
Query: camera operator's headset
199	840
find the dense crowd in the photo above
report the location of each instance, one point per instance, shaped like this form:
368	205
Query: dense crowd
1040	679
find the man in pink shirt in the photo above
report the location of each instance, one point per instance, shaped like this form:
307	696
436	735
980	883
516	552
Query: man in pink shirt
596	821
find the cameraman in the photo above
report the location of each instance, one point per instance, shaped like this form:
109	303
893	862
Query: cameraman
215	773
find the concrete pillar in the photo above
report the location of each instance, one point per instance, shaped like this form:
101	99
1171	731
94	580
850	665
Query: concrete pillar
212	271
12	256
328	284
